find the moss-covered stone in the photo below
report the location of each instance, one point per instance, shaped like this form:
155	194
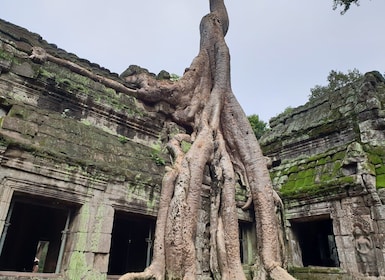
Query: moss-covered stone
72	141
319	273
71	82
318	175
380	181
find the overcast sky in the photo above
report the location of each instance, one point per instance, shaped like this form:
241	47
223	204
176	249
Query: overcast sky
279	49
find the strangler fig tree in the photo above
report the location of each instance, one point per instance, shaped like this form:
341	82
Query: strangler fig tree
223	144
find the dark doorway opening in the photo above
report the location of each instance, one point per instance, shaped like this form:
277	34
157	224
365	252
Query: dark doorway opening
317	242
34	231
247	242
131	245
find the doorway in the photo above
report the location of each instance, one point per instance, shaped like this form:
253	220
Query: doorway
33	234
131	245
317	242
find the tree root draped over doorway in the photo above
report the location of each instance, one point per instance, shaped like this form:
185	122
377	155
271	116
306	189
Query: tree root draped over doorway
222	139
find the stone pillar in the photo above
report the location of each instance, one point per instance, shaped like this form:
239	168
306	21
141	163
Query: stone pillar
88	254
378	214
342	229
356	228
294	251
6	193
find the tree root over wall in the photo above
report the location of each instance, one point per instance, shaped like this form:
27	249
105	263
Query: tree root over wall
221	139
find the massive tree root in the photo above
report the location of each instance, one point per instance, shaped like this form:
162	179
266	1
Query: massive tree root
222	142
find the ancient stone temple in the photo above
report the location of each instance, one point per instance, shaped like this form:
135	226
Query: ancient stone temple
79	171
82	162
81	166
328	165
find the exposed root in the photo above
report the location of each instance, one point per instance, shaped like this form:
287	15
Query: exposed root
247	204
148	274
278	273
223	140
40	55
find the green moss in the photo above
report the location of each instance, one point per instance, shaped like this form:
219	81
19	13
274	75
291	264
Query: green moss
288	187
309	181
380	181
97	230
300	183
293	176
185	146
336	168
338	156
77	267
123	139
375	158
95	275
315	269
311	164
19	112
300	188
6	55
380	170
293	169
75	83
302	174
157	153
321	161
43	73
326	174
379	151
84	217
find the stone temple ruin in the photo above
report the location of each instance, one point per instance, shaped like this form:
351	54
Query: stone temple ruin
81	166
328	165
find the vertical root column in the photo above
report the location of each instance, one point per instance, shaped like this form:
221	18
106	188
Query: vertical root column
225	252
229	214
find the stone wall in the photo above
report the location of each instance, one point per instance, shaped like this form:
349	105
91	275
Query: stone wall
328	165
72	142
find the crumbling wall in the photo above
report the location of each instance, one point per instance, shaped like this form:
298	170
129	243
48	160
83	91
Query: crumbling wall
70	139
327	163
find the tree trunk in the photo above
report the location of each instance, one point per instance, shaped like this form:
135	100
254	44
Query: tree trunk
222	141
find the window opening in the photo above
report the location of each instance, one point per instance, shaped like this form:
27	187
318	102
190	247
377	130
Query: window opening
131	244
317	242
33	238
247	242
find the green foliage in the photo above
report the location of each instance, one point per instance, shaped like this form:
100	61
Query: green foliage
174	77
156	153
259	127
337	80
285	113
288	110
345	4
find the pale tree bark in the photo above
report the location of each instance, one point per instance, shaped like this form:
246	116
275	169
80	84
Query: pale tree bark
221	139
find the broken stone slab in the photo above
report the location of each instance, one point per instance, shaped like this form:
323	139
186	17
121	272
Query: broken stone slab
24	70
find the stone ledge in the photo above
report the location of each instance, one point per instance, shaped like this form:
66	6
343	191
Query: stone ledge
15	275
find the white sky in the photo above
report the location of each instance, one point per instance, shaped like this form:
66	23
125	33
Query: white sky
279	49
